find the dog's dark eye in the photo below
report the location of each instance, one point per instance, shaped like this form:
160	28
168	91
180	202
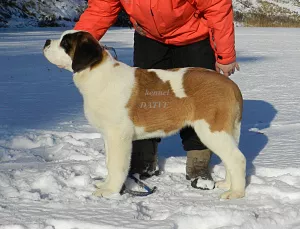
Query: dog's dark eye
64	44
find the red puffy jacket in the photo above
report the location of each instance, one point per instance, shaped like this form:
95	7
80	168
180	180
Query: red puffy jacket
176	22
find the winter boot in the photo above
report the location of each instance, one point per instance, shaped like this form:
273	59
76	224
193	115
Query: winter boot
144	158
197	169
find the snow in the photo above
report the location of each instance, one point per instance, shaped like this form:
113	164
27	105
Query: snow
293	5
245	6
50	157
203	184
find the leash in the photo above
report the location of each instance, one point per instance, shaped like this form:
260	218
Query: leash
112	49
148	191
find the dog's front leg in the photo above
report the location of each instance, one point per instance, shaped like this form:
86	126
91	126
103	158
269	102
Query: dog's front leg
118	156
100	184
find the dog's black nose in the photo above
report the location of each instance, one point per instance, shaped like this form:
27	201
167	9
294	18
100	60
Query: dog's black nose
47	43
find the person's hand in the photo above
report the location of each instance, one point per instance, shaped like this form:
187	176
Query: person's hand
227	69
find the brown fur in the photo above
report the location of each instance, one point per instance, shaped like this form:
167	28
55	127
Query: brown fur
216	98
104	56
210	96
84	50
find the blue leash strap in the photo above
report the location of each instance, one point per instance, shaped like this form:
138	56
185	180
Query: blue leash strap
142	185
111	48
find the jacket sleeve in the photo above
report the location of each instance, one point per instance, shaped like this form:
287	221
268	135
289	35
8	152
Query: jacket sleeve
98	17
219	16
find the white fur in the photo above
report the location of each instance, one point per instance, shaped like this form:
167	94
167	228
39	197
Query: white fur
57	55
175	78
225	146
105	109
106	90
237	132
225	184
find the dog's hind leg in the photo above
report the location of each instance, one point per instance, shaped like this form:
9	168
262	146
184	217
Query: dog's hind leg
224	145
225	184
119	144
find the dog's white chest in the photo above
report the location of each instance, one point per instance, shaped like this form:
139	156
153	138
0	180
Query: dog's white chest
105	96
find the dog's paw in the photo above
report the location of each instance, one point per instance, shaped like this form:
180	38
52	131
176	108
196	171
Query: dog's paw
223	184
100	184
104	192
232	194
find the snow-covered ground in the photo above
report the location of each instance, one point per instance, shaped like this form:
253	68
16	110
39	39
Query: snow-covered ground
248	5
50	157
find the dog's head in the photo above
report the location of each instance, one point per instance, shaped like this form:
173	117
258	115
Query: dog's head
74	51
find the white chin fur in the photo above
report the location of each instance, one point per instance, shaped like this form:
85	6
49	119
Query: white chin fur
57	55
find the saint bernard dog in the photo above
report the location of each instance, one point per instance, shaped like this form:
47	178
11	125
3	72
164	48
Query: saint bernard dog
126	103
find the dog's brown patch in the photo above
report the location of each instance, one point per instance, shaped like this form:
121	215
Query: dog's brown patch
210	96
116	64
68	43
104	56
154	112
84	50
216	98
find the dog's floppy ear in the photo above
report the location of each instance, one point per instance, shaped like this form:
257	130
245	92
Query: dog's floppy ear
87	52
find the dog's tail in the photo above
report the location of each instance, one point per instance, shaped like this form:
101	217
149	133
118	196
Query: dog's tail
237	131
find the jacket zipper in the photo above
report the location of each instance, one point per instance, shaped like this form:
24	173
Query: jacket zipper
154	21
213	39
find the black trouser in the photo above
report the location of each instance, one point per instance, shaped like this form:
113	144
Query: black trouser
149	53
